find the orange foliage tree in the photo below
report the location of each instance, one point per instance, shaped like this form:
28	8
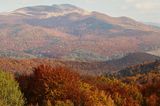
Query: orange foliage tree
122	94
60	85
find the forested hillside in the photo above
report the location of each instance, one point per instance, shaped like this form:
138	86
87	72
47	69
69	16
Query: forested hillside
61	86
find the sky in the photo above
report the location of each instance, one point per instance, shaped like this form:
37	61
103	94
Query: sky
141	10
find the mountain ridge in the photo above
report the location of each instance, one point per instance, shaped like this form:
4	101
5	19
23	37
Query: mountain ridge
63	35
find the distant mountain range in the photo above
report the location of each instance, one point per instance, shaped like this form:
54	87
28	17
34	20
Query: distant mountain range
154	24
71	33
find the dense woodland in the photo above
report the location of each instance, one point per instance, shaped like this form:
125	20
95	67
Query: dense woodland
63	86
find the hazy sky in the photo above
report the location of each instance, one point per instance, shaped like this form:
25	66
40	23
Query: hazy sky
142	10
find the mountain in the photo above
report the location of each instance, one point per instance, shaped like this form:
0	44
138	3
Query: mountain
69	32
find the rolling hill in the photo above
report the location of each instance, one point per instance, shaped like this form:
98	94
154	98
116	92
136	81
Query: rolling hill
132	59
139	69
96	68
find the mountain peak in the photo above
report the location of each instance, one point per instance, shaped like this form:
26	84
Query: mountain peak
65	6
44	11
